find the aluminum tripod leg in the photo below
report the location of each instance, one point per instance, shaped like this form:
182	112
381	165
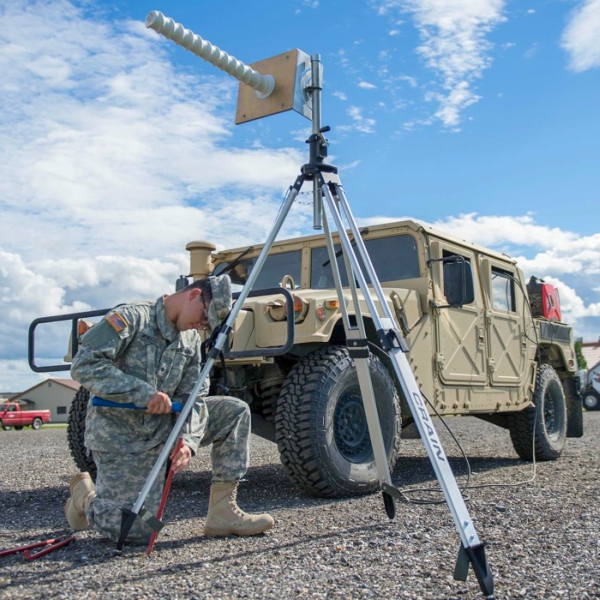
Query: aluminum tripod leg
394	344
359	352
131	515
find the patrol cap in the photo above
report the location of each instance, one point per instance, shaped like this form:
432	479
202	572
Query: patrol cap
220	305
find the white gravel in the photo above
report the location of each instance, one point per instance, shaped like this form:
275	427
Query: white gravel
544	537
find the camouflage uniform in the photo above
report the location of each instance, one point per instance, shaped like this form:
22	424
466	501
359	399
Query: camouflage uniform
131	354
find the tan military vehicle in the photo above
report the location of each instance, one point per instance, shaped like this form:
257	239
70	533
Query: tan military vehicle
475	349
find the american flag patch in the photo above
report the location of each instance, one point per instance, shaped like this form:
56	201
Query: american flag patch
117	322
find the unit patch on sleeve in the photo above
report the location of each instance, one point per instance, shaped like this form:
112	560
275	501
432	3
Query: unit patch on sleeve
117	322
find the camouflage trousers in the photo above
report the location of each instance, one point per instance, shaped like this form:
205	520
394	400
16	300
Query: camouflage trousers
121	476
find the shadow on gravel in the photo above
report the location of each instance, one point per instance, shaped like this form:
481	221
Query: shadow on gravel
98	552
33	509
416	470
267	487
264	488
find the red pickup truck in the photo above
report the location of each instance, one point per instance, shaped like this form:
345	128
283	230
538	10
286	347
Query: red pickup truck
11	415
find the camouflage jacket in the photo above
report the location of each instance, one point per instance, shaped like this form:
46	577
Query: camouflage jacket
131	354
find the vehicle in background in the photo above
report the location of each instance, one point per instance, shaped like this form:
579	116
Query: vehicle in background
590	388
11	415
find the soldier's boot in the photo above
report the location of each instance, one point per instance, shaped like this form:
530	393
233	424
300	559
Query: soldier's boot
82	493
225	517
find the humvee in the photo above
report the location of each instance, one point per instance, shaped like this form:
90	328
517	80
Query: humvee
475	348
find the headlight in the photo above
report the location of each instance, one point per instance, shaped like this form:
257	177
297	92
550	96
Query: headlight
278	310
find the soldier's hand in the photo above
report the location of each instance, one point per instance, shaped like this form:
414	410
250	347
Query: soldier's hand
180	460
159	404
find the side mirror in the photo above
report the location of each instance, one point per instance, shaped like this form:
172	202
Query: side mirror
458	281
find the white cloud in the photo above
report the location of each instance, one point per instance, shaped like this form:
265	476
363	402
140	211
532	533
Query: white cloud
366	85
581	37
341	96
454	45
110	162
362	124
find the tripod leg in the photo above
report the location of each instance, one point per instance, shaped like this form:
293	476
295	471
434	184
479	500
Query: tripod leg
394	344
359	351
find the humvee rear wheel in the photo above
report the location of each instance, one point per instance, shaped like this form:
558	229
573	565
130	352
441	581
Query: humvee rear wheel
591	400
321	426
76	433
545	424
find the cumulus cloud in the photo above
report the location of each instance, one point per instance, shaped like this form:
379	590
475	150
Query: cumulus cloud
454	45
110	162
581	37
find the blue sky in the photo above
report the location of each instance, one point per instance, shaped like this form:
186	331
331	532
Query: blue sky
118	147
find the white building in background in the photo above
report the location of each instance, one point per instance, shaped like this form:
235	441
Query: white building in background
54	395
591	353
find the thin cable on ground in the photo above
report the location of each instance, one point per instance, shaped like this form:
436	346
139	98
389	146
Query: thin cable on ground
467	486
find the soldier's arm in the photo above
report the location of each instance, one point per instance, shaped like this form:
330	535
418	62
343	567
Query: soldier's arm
94	368
195	425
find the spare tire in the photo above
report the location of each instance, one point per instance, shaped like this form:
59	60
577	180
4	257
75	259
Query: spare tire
76	433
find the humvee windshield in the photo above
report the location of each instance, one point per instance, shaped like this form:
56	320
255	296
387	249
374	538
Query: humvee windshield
275	268
393	258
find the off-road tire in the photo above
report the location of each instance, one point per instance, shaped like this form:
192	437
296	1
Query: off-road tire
548	417
19	427
36	423
76	433
591	400
319	424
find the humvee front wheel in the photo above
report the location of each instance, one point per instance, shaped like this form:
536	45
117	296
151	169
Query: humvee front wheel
545	424
76	433
321	426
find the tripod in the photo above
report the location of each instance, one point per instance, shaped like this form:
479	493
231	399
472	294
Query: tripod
330	199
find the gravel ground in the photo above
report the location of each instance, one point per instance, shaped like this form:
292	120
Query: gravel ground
544	536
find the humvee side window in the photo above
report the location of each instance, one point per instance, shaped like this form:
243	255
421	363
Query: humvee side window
503	290
275	268
393	258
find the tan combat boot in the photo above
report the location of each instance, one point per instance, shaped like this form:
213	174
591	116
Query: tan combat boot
82	493
226	517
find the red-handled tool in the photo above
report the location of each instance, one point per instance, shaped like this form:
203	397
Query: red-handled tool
163	500
59	544
50	546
